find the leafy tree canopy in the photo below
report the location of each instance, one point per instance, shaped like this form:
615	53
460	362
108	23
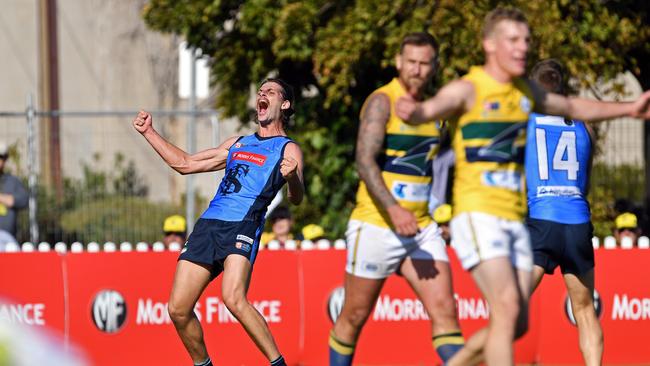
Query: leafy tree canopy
337	52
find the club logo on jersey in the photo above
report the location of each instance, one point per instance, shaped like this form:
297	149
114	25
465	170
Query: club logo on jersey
525	104
568	310
230	183
250	157
419	157
243	246
108	311
238	145
490	106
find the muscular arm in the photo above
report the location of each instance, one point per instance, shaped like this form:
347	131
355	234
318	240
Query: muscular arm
203	161
585	109
184	163
453	99
372	131
291	169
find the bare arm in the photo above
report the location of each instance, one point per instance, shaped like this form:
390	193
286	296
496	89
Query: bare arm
372	131
586	109
453	99
291	169
204	161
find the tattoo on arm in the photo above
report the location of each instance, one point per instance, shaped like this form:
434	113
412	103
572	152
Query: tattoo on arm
370	141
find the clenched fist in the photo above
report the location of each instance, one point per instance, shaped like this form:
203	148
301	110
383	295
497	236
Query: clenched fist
408	110
288	167
143	121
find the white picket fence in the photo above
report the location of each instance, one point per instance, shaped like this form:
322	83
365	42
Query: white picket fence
608	243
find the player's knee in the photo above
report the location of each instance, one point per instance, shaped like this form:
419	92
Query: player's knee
443	309
178	314
235	302
356	317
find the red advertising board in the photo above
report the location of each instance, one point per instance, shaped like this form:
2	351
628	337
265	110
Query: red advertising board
113	305
32	291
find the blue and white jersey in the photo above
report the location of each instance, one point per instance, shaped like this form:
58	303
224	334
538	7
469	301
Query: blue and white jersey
252	178
558	157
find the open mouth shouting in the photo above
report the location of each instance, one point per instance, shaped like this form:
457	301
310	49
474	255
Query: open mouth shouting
262	108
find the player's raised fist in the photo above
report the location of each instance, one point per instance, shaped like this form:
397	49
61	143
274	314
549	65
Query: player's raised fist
143	121
408	110
288	167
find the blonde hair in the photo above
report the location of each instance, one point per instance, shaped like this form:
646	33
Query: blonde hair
497	15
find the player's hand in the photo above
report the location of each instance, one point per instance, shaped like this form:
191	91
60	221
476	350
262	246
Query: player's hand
409	110
641	107
403	220
143	121
288	167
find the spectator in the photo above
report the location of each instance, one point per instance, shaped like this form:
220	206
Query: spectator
13	197
442	215
313	232
281	225
175	229
626	227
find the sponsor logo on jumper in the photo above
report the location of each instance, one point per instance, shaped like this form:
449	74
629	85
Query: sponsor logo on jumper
209	310
568	310
30	314
256	159
109	311
558	191
502	179
238	145
244	238
415	192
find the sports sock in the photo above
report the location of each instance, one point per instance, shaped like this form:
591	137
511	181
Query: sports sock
447	344
278	362
207	362
341	354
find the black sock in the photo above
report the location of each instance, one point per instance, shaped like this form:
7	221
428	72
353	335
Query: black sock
278	362
207	362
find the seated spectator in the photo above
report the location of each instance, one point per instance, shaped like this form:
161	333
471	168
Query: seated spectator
175	230
313	232
13	197
281	225
442	216
627	227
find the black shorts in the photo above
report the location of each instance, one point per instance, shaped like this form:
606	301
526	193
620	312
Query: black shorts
566	245
213	240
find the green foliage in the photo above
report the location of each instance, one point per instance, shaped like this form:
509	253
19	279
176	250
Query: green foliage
339	51
117	218
100	206
609	183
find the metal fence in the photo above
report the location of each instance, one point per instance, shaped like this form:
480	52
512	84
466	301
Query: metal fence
115	187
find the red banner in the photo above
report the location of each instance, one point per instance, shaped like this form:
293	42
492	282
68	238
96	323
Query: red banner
116	306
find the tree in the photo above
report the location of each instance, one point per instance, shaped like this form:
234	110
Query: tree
337	52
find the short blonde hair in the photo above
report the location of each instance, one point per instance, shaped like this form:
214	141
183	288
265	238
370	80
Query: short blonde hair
497	15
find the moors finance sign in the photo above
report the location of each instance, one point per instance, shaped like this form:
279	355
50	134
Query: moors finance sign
109	311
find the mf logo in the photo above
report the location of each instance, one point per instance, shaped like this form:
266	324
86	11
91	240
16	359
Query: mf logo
568	310
335	303
109	311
